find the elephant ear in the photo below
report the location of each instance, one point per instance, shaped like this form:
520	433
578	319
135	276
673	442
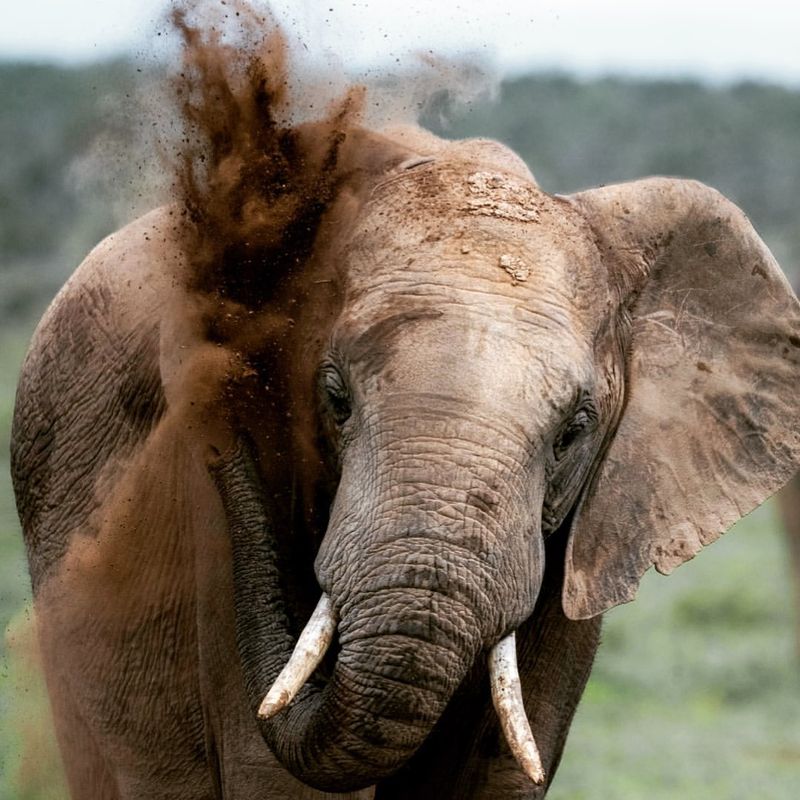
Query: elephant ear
709	427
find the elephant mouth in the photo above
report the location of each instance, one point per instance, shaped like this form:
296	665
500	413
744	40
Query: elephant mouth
317	637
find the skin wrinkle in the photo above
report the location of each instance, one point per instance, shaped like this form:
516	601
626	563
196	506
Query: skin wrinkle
448	277
417	405
401	653
509	467
403	462
367	748
399	701
430	446
378	492
467	297
480	559
440	658
470	560
470	591
503	339
455	508
474	528
419	458
398	681
408	683
410	726
504	390
387	631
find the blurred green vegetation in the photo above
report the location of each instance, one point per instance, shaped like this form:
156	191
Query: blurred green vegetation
56	199
696	691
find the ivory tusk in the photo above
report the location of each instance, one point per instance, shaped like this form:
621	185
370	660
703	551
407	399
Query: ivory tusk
309	651
507	697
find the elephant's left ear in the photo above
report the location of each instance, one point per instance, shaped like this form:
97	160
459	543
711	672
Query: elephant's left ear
710	426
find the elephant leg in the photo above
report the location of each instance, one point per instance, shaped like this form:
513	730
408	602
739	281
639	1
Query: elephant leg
85	766
467	757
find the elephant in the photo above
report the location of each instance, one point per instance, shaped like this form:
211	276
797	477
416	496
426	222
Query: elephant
328	470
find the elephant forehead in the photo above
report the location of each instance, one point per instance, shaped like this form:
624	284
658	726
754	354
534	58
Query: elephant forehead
492	281
470	187
474	231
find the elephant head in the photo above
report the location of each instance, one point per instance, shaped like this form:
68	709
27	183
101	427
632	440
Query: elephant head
473	366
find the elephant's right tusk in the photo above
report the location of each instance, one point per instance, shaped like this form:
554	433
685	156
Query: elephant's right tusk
507	697
309	651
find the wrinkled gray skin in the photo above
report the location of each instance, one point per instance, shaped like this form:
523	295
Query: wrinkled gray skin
523	402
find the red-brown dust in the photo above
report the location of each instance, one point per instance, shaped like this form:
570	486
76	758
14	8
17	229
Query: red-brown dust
254	184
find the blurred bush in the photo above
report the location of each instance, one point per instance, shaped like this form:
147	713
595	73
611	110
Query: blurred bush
54	204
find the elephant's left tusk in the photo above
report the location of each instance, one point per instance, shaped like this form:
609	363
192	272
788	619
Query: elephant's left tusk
309	651
507	697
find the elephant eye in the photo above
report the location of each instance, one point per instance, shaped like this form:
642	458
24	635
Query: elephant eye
582	421
335	392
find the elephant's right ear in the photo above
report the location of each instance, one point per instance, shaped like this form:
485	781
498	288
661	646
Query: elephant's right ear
709	428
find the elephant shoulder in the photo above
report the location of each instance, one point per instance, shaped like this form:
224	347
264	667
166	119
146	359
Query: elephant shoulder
90	388
127	278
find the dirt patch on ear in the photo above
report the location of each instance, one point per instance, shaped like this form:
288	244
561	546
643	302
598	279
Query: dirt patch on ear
254	185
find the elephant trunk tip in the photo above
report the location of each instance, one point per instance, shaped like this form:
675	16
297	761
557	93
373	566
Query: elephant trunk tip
506	687
311	647
507	698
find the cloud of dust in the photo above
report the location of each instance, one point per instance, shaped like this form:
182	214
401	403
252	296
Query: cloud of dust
253	182
31	761
262	135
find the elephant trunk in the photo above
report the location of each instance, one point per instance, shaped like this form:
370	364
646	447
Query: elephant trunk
391	682
410	628
504	682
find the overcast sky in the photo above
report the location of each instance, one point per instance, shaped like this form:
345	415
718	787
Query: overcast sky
713	40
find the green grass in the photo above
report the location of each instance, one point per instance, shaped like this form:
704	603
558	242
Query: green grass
695	693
